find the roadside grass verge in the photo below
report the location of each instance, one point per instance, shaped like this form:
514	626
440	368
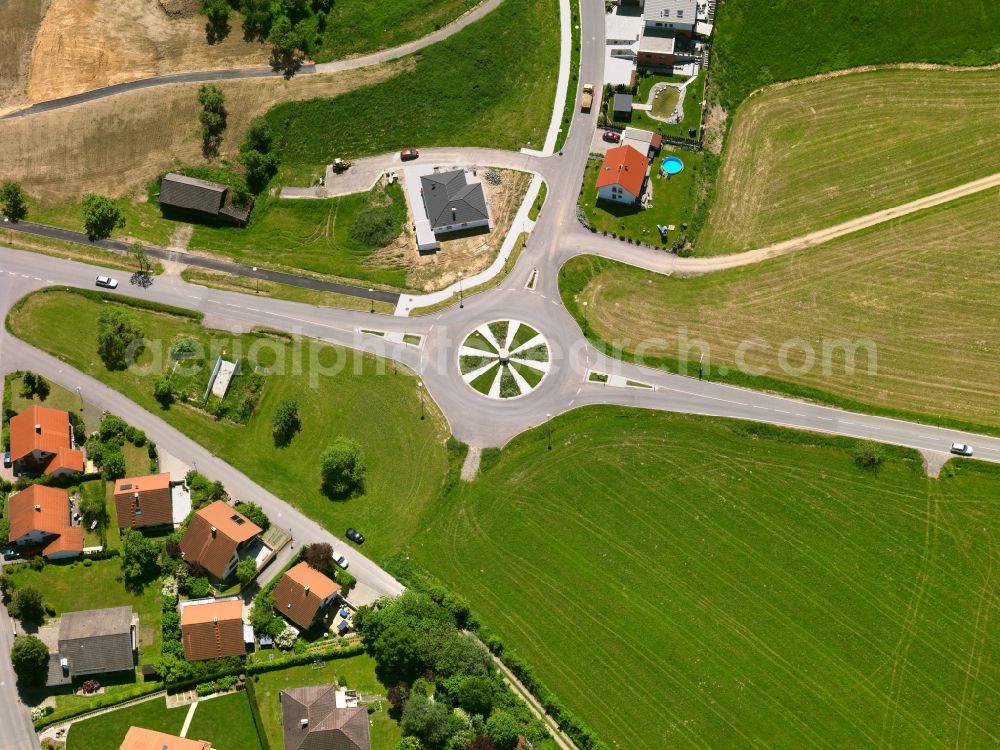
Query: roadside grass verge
737	554
826	35
574	77
465	91
339	392
908	302
73	251
791	166
314	235
244	285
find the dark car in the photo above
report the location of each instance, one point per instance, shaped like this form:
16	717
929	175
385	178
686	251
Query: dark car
355	536
612	136
6	459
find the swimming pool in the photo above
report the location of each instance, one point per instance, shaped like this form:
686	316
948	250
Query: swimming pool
671	165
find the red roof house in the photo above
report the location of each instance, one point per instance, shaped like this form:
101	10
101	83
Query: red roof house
40	517
623	175
41	441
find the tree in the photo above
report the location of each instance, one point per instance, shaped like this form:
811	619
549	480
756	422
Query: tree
503	729
285	640
425	719
26	604
117	331
30	658
212	116
93	508
13	202
482	742
101	216
255	514
163	392
868	456
28	384
211	98
342	468
139	556
245	570
409	743
320	556
259	168
138	251
262	613
114	465
217	13
258	136
475	695
113	429
286	422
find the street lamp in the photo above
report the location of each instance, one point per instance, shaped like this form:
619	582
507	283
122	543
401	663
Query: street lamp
372	291
548	424
461	304
257	279
80	394
420	395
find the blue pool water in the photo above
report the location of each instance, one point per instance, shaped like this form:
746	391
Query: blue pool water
671	165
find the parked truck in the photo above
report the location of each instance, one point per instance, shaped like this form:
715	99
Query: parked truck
587	99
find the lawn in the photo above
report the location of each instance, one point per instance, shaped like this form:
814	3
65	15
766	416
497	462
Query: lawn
225	721
732	584
314	235
245	285
465	91
826	35
339	392
73	586
922	290
673	201
358	671
58	398
813	154
354	27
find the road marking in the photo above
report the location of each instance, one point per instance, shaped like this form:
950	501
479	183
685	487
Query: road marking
927	437
192	296
782	411
49	281
572	401
230	304
254	309
37	279
25	276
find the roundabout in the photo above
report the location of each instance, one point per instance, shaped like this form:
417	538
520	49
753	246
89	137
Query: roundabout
503	359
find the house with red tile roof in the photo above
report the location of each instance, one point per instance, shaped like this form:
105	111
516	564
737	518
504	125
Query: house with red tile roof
138	738
41	442
40	519
622	178
212	629
144	501
303	593
215	537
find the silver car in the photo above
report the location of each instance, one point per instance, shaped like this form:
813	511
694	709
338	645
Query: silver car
961	449
107	282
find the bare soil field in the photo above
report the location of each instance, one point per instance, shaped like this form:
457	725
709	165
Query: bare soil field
19	22
113	145
86	44
810	154
465	255
922	291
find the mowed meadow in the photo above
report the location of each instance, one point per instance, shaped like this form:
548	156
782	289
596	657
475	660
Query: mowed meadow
922	290
813	153
684	582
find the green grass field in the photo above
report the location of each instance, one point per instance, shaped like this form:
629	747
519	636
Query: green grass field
225	721
724	584
359	671
314	235
359	396
353	27
673	201
71	587
921	290
464	91
811	155
826	35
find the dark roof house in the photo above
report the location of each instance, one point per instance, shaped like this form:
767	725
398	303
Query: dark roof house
312	720
98	641
452	202
178	191
622	107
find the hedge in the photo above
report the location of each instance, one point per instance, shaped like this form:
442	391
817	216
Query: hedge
103	701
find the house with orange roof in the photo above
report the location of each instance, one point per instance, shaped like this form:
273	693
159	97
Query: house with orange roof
217	538
41	442
622	178
144	501
213	629
138	738
41	519
303	593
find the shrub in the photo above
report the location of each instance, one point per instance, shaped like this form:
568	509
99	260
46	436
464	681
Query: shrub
198	587
117	334
163	392
13	202
26	604
342	468
246	570
113	466
376	226
30	658
868	456
285	640
286	422
255	514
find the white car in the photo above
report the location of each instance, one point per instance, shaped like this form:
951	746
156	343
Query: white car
339	559
961	449
107	282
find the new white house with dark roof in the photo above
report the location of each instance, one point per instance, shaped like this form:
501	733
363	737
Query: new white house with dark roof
451	202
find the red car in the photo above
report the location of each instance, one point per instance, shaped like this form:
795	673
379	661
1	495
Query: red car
409	154
612	136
